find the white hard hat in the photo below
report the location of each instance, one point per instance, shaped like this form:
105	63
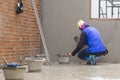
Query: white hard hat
80	23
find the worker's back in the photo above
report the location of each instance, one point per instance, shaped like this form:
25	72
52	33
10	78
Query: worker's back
94	40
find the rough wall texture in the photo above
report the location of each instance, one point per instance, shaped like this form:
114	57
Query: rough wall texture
19	33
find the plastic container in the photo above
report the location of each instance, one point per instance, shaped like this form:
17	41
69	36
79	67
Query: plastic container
64	60
35	64
14	73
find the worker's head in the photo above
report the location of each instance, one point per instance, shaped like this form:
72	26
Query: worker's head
81	24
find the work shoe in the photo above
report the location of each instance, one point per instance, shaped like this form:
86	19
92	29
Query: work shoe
92	60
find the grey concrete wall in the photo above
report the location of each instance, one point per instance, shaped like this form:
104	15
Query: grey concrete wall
59	18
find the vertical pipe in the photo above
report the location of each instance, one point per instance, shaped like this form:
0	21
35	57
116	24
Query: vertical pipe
41	32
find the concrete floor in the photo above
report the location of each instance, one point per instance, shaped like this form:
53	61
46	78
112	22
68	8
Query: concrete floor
76	72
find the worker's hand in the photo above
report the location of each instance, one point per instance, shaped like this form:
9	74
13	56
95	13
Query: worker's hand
69	54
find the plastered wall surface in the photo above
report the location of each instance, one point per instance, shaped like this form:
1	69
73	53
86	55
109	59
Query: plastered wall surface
59	18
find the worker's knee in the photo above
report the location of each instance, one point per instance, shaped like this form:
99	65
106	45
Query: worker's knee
81	56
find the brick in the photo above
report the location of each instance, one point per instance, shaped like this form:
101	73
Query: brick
19	33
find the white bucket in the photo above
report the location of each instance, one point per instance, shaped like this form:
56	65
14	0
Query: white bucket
64	60
34	65
14	73
2	75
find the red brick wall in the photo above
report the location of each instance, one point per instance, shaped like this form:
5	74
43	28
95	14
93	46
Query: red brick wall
19	33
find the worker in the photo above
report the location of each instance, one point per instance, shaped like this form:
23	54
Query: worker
91	37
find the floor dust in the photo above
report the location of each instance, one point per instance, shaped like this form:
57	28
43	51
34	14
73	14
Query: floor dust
72	71
77	72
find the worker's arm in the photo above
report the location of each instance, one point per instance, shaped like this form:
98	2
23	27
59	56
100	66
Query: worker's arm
80	44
